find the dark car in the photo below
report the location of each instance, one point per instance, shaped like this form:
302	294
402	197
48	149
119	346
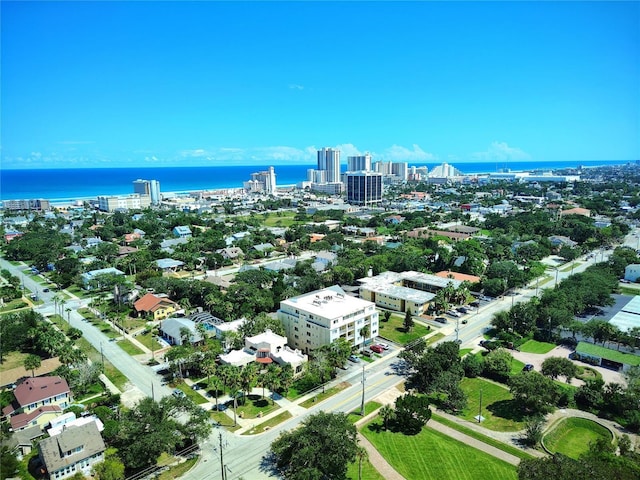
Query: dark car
45	289
441	319
527	368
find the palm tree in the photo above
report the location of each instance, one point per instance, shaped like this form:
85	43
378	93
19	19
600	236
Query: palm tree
68	310
386	412
272	380
215	384
235	383
32	362
248	377
361	455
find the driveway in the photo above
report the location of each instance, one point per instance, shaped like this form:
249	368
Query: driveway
536	359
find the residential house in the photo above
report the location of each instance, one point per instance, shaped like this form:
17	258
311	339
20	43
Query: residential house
320	317
558	241
263	248
10	234
155	306
73	450
168	265
230	253
182	231
131	237
172	330
38	400
395	219
91	279
427	232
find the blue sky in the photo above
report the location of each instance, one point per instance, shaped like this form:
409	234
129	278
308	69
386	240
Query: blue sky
214	83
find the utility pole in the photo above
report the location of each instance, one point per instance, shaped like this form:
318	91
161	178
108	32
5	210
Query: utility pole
102	355
457	328
153	397
362	403
480	408
222	470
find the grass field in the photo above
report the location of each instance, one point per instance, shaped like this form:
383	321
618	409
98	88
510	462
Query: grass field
178	470
194	396
272	422
369	407
533	346
149	341
434	338
112	373
224	420
483	438
323	396
369	472
394	331
464	351
129	347
12	360
431	454
571	436
254	406
498	407
16	304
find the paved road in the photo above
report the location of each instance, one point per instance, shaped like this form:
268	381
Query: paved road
140	376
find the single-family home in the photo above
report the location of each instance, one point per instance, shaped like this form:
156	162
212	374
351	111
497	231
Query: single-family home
38	400
558	241
174	329
91	280
75	449
155	306
182	231
230	253
169	264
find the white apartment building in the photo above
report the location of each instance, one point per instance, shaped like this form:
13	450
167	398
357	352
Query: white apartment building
134	201
321	317
148	187
359	163
329	160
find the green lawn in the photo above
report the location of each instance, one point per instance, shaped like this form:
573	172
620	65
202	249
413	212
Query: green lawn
129	347
464	351
112	373
178	471
516	366
431	454
317	398
224	420
394	331
16	304
369	472
434	338
149	341
499	410
272	422
254	406
284	220
368	408
571	436
483	438
194	396
533	346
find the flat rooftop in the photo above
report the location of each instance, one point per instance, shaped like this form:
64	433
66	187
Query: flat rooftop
330	302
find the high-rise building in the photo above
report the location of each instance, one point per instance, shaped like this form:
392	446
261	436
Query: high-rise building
329	160
400	170
135	201
383	168
358	163
263	182
148	187
364	188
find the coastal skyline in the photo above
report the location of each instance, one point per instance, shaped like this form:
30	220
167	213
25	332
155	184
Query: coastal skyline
151	84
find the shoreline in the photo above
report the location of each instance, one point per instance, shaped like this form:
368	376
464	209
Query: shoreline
74	199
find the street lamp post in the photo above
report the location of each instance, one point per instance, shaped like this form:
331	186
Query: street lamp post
102	356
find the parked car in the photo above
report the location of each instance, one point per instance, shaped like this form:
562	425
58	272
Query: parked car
354	359
384	346
463	309
221	407
195	386
475	303
441	320
376	348
178	393
45	289
527	368
367	352
453	313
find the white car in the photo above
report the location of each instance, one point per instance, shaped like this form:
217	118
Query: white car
453	313
384	346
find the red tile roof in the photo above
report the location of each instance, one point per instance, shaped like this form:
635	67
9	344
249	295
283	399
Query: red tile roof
150	303
35	389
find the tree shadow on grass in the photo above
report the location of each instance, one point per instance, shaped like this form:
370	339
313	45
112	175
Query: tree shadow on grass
507	409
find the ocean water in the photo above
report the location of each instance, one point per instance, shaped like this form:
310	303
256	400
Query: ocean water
69	184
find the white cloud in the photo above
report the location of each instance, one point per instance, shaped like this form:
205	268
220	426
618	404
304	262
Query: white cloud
398	153
295	86
198	152
501	151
